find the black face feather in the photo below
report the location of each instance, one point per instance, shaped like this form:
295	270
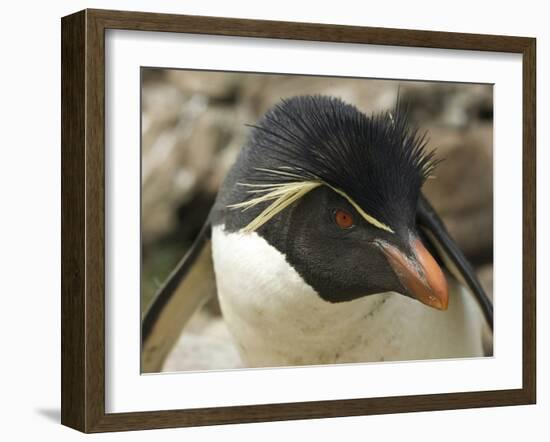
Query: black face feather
379	161
370	167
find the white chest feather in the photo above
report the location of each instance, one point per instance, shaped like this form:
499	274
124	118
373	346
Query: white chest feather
277	319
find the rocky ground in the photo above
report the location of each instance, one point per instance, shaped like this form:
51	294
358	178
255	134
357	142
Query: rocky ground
194	123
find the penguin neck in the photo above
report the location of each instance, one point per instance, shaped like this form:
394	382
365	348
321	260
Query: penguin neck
278	319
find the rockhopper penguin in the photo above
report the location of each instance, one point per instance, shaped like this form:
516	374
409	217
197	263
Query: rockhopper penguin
325	250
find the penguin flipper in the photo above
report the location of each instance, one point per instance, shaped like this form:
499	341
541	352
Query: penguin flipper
450	254
189	285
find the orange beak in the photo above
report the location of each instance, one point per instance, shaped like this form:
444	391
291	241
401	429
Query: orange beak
420	275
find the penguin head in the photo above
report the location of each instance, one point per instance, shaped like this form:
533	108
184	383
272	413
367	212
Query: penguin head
336	191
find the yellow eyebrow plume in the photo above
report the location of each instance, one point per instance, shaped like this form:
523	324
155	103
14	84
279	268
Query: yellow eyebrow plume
284	194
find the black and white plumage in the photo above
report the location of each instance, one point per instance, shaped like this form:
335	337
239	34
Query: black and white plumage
317	231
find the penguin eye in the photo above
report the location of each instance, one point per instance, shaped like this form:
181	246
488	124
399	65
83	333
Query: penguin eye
343	218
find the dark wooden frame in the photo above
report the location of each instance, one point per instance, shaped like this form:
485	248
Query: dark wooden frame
83	220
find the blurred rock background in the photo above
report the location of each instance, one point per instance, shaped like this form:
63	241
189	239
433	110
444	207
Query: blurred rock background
193	125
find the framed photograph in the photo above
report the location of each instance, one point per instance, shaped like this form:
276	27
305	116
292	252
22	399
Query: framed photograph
269	220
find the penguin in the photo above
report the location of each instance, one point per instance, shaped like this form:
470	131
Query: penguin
324	249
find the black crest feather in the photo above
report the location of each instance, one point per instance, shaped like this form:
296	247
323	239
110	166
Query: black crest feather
380	161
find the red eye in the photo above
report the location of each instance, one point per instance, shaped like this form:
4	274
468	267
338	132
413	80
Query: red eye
343	219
